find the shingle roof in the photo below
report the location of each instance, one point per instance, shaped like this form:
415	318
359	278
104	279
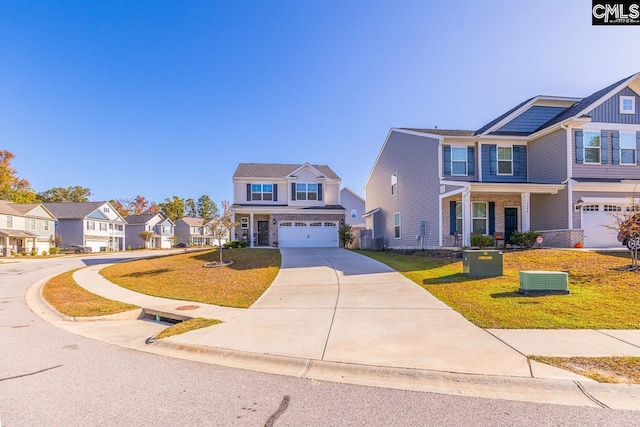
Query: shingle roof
193	222
72	210
276	170
443	132
139	219
7	208
494	121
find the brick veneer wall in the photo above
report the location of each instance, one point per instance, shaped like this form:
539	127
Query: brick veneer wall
561	238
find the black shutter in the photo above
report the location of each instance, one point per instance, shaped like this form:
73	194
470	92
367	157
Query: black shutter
320	191
492	218
275	192
604	147
493	159
637	148
579	147
293	191
447	159
248	192
452	217
516	160
471	161
615	143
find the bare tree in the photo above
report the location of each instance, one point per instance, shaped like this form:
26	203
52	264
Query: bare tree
221	224
627	224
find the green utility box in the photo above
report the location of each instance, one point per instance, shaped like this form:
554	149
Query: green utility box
482	263
544	283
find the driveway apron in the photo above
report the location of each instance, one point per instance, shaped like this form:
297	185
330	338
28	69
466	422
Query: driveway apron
336	305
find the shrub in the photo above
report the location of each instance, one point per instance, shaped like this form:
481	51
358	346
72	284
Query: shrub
243	244
525	239
33	252
129	247
481	241
45	253
53	250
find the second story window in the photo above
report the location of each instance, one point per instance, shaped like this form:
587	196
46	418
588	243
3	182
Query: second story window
103	226
9	221
627	149
505	161
394	183
458	160
45	225
261	191
627	105
32	224
91	225
306	191
592	147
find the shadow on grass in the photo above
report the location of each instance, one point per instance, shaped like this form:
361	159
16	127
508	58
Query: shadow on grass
149	272
444	280
405	261
243	258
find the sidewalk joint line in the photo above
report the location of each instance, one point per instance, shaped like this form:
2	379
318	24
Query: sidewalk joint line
616	338
589	396
335	308
513	348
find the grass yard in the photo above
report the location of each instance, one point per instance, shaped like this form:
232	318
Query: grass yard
186	326
183	277
601	296
624	370
69	298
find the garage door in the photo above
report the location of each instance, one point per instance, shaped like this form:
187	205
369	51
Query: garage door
95	245
309	234
595	218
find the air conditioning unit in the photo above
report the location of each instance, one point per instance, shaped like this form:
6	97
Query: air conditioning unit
544	283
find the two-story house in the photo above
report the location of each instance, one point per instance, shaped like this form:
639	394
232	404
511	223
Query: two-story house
96	225
354	207
161	227
561	166
25	227
290	205
195	232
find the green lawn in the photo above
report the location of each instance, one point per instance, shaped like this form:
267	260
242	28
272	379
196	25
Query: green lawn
183	276
601	296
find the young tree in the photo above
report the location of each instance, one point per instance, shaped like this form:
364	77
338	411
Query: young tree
221	224
146	236
65	194
172	208
12	188
190	208
206	208
346	235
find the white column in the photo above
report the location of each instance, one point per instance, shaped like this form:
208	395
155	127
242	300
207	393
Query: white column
251	230
526	211
233	231
466	218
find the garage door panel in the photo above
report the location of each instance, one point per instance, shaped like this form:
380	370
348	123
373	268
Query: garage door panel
95	245
308	234
595	225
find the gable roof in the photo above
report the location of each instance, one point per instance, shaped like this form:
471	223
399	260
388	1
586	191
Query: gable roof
77	210
352	192
140	219
443	132
276	170
192	221
7	208
500	118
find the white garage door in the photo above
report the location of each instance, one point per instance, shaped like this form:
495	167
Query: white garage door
595	218
95	245
309	234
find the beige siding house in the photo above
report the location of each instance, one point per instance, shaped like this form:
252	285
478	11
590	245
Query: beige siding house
25	227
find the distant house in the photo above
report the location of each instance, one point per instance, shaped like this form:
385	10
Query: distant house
296	205
162	229
193	231
354	205
93	224
25	226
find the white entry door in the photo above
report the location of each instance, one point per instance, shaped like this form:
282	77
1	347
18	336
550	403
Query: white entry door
309	234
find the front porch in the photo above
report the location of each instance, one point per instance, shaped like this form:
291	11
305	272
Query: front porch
16	241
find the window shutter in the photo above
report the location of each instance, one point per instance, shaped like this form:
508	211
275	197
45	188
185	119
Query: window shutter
516	161
579	147
447	159
471	171
320	191
493	159
492	218
615	143
248	192
452	217
637	148
275	192
293	191
604	147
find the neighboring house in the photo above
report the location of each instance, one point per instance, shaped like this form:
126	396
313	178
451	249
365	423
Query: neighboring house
354	206
561	166
193	231
287	205
162	229
24	227
93	224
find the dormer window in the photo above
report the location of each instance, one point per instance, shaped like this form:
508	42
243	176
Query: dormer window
627	105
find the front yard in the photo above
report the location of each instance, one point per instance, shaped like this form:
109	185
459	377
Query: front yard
601	296
183	276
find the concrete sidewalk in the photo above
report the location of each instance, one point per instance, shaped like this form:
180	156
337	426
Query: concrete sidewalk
337	315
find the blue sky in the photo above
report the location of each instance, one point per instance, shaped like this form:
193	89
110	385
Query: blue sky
166	98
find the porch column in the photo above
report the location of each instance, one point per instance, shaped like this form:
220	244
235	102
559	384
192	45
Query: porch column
466	217
251	230
526	212
233	230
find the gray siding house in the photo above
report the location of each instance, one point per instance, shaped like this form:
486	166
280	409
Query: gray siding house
194	232
93	224
561	166
162	229
354	207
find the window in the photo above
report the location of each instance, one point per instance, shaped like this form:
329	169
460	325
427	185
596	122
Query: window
261	191
612	208
306	191
627	149
394	183
285	224
330	224
32	224
9	221
120	227
479	217
627	105
244	223
106	209
91	225
458	160
458	217
396	225
505	161
316	224
46	225
592	147
301	224
591	208
103	226
354	213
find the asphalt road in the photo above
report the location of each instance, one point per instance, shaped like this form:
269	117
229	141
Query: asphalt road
49	377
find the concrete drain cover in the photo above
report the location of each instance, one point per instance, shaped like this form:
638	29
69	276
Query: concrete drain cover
187	307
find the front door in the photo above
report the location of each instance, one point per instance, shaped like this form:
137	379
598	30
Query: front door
263	233
510	222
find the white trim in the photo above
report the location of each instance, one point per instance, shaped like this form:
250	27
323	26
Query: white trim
585	148
399	226
498	147
515	187
633	104
604	98
621	127
605	200
316	172
621	187
466	160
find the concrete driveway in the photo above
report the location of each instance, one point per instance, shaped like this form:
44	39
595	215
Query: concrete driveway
334	305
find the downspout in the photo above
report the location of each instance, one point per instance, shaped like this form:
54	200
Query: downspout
568	181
